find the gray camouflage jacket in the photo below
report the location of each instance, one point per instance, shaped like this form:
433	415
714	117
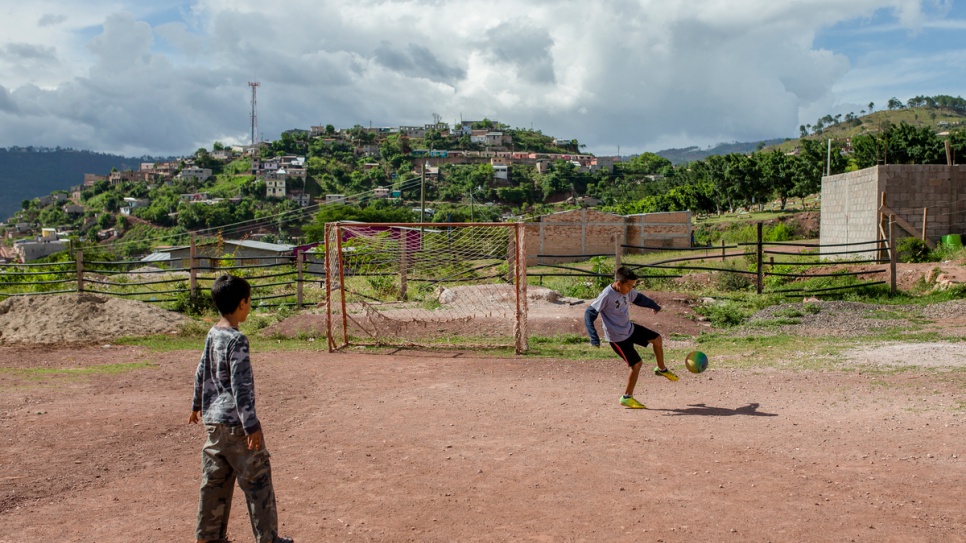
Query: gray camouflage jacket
224	384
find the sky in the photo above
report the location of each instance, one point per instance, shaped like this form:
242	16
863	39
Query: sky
149	77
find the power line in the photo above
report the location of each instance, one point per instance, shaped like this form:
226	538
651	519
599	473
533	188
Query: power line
241	226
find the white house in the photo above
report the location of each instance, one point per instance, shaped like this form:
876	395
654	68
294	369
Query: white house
131	204
201	174
275	187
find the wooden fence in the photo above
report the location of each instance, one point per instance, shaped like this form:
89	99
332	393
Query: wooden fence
299	281
769	258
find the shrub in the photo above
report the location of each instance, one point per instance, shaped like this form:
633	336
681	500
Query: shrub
731	281
725	314
194	302
914	250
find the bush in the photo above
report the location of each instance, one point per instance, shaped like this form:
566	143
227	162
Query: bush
779	232
914	250
725	314
731	281
197	302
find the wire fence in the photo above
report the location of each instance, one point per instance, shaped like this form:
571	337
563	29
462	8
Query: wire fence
298	280
782	268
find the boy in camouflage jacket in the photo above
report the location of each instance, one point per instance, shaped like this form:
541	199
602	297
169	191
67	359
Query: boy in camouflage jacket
224	399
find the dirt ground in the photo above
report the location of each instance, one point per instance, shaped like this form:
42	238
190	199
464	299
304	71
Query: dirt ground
417	446
442	446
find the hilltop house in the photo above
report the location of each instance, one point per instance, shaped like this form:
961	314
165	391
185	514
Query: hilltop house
200	174
247	253
275	186
131	204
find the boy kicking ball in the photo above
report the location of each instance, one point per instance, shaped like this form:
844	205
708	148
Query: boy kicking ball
622	334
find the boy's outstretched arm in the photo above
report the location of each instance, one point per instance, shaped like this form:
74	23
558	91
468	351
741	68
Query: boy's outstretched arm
643	301
590	315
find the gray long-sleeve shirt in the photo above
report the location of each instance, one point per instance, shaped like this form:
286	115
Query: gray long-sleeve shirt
612	306
224	389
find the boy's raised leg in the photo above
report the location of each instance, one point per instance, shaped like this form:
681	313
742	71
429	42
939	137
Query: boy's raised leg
661	369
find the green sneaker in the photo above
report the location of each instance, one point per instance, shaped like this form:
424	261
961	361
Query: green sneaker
666	373
631	403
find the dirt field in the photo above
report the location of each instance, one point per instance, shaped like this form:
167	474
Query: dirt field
417	446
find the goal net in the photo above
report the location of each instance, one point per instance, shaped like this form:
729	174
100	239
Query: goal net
426	285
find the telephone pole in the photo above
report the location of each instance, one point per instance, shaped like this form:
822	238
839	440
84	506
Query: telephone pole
254	85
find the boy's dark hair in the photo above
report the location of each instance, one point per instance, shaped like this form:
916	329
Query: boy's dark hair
228	292
624	273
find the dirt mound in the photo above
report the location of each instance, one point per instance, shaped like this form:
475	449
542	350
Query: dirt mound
80	318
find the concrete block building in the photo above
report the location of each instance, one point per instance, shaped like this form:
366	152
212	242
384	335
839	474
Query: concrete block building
572	235
852	203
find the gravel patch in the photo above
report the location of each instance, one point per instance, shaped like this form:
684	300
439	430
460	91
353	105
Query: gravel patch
846	319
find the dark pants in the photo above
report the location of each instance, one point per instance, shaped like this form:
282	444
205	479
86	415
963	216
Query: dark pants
225	459
625	349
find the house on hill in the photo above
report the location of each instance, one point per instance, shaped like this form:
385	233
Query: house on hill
245	253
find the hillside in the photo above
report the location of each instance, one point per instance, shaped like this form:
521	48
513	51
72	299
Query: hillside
940	119
30	172
693	153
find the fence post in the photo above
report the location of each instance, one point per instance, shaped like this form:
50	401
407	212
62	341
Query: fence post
520	334
759	259
893	256
403	265
80	270
722	250
617	252
192	267
298	285
925	211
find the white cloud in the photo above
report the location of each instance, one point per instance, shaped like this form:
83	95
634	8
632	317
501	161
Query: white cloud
639	74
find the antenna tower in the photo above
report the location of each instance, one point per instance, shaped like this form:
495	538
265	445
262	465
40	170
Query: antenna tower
254	85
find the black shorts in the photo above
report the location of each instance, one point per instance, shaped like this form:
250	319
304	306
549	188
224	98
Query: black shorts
625	349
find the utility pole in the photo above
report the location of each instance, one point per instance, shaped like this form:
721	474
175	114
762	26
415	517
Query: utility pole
254	85
422	194
828	163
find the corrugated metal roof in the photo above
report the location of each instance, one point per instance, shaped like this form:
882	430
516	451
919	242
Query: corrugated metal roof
277	247
261	245
157	257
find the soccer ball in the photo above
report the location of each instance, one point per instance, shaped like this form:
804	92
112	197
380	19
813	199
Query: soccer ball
696	361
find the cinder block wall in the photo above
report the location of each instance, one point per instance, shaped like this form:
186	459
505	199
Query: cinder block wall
850	208
571	235
659	230
850	202
937	188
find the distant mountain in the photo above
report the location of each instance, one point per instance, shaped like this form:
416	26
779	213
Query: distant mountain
30	172
691	154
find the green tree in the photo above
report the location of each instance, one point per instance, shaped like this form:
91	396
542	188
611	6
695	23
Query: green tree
644	164
378	211
779	173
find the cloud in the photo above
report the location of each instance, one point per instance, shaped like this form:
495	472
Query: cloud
416	60
27	51
50	19
124	41
525	47
6	102
634	73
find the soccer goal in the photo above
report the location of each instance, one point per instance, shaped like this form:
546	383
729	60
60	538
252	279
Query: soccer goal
459	285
